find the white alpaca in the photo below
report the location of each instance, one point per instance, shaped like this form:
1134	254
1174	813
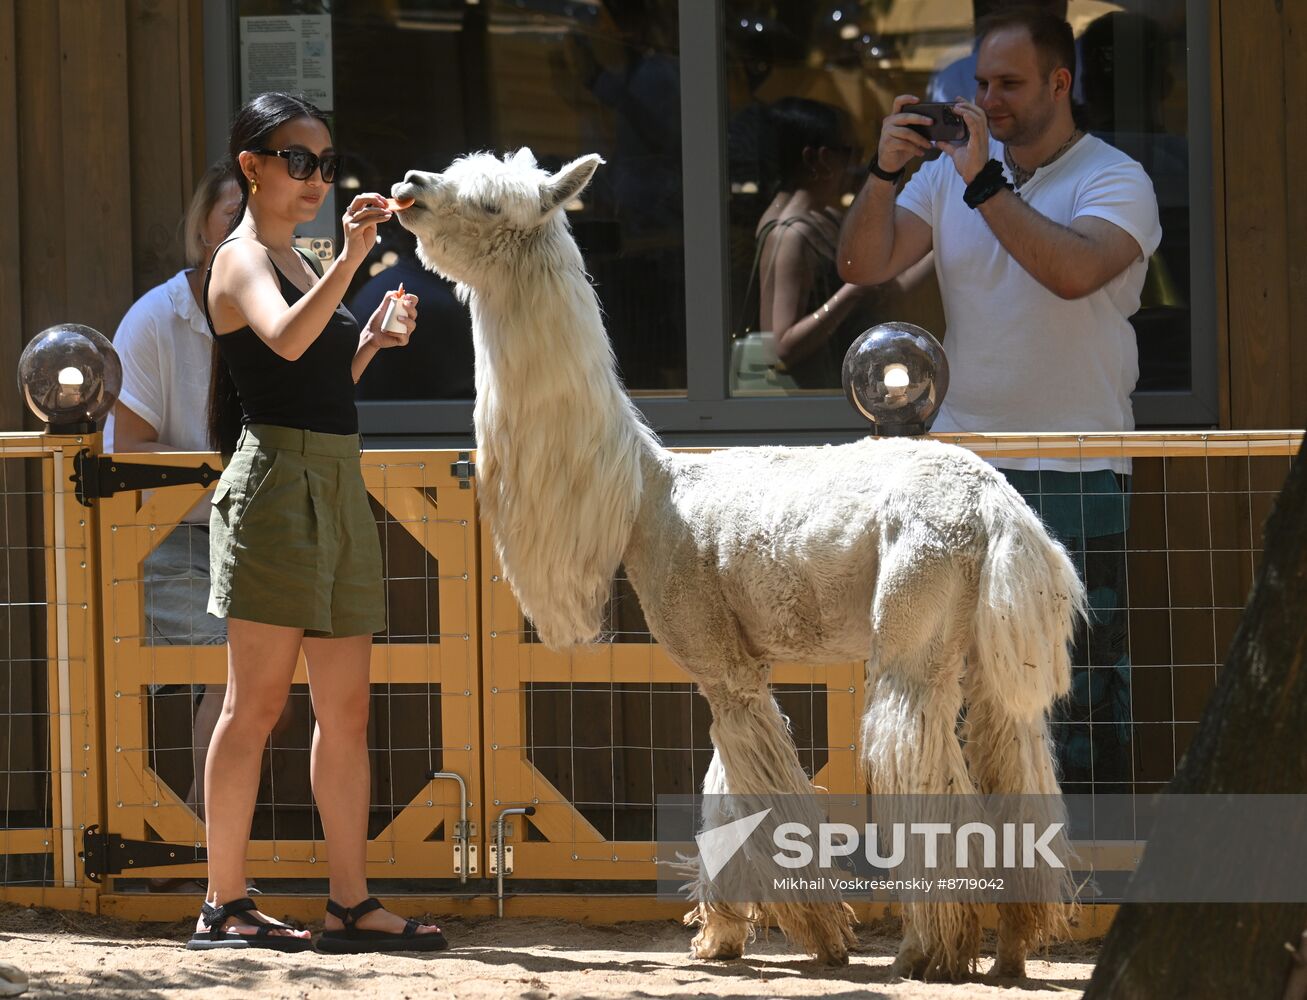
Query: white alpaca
911	554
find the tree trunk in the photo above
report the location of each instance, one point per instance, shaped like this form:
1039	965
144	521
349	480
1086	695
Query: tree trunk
1252	740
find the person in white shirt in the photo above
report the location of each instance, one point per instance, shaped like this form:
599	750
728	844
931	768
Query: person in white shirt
1041	236
166	351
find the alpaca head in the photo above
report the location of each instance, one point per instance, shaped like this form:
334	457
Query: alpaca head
483	213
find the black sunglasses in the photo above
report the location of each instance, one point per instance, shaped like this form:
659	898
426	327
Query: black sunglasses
300	163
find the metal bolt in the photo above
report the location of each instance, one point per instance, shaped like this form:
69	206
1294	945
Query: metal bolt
117	694
156	805
496	802
276	858
154	527
464	575
494	746
117	639
494	690
313	861
428	802
494	635
614	857
392	861
83	603
466	637
113	527
852	747
82	564
120	805
422	465
86	746
467	746
466	693
535	802
84	774
494	579
81	524
575	858
117	749
382	468
463	523
850	690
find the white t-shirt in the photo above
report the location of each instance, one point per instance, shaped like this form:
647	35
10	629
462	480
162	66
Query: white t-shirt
1020	358
167	355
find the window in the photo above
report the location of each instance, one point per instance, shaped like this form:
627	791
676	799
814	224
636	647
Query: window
696	107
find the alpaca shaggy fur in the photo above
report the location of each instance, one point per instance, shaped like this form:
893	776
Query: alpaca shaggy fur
912	555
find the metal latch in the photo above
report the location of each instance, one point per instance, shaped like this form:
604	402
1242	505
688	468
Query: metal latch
464	470
99	476
471	851
108	854
494	859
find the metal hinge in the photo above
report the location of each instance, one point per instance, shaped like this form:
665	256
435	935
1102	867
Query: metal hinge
464	470
108	854
97	476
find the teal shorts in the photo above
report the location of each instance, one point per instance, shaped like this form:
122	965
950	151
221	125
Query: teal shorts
292	538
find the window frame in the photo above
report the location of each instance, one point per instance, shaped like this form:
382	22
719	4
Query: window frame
706	413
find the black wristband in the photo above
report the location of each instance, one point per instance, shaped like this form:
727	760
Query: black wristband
885	175
989	182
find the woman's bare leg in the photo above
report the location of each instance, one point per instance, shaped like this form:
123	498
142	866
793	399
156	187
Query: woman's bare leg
260	662
338	682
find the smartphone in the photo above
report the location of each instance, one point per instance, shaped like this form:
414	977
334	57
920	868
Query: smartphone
946	124
320	246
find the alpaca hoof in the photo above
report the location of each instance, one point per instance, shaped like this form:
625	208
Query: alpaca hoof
1009	968
835	959
712	948
911	965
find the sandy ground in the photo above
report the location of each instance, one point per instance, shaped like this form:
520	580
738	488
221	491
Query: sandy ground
77	955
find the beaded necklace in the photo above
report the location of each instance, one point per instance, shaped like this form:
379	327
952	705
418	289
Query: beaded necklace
1021	175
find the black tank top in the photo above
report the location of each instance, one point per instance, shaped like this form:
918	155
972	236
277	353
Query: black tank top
314	393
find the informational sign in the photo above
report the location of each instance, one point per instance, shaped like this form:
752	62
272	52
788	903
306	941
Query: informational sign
292	54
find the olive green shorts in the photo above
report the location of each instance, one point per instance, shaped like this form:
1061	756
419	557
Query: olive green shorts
292	539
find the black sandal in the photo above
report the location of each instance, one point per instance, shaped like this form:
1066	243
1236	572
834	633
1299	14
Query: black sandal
353	940
215	918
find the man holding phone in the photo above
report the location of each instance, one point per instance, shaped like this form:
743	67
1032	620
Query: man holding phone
1041	236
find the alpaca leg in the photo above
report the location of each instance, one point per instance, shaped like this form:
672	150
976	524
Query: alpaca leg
920	622
1011	755
724	928
758	758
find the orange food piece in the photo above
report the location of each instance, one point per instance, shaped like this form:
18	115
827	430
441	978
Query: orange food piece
398	204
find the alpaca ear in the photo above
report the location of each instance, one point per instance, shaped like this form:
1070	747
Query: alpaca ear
521	158
565	185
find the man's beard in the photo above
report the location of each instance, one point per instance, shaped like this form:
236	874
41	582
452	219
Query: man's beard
1030	128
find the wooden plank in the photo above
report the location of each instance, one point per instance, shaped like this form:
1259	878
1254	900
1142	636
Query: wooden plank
96	170
40	179
1295	128
14	335
1257	243
1219	275
158	102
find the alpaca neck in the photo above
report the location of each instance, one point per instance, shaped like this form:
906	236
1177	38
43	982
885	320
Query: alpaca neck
560	443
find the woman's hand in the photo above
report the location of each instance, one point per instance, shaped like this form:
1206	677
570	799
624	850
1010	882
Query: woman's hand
385	338
360	222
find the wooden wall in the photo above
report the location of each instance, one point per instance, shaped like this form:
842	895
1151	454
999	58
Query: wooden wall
1263	83
97	161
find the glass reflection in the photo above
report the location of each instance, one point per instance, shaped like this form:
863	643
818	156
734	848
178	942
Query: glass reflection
854	57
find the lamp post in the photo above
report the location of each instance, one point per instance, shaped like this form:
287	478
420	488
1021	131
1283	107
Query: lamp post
896	375
69	376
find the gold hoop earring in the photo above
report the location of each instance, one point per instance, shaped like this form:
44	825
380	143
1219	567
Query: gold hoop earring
254	187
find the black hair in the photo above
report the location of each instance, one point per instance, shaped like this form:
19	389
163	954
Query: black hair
798	124
254	123
1051	35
